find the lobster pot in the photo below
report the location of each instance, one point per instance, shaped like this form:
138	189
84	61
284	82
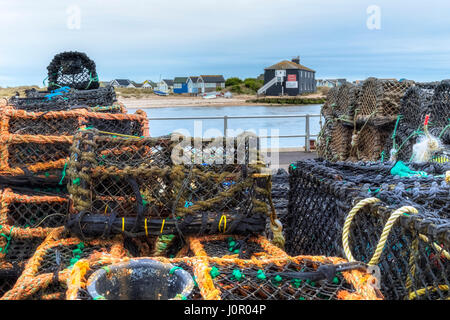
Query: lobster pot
26	218
73	69
343	106
46	272
332	98
233	247
65	99
368	143
283	279
359	119
166	185
381	98
414	263
419	101
39	142
340	136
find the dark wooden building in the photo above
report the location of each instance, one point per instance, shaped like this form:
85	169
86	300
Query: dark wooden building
288	78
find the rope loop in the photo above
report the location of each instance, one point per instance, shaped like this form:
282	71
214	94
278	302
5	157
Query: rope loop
384	235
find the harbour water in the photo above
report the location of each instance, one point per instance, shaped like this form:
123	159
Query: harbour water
214	127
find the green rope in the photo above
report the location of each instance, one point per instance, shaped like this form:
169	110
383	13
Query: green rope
8	238
95	79
214	272
63	173
174	269
77	253
417	132
443	130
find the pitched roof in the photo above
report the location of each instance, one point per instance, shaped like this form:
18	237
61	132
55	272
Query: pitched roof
122	82
212	79
168	82
149	82
180	80
194	79
136	84
286	64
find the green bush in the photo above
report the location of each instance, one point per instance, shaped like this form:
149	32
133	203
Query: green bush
253	83
236	89
232	82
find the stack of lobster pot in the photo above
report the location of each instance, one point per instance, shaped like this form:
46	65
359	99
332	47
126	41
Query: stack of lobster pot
359	119
36	135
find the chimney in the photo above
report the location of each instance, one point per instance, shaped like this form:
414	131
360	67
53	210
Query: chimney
296	60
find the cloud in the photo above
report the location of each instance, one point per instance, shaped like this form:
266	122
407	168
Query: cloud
141	39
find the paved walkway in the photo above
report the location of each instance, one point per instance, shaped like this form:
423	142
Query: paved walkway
285	158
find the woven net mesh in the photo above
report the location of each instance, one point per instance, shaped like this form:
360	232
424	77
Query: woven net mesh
234	247
278	280
72	69
359	120
369	144
424	99
20	250
100	99
41	141
332	97
322	194
34	208
142	178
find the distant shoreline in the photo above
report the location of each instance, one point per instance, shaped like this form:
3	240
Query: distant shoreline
153	102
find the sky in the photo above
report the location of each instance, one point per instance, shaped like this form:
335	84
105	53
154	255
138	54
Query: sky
146	39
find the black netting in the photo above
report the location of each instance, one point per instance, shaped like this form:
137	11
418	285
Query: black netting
20	250
63	256
322	194
53	126
8	278
32	214
97	100
24	154
72	69
231	246
280	188
275	282
122	126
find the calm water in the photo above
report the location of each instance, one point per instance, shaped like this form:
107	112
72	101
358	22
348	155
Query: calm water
209	128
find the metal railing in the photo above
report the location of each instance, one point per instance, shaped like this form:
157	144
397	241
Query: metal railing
225	119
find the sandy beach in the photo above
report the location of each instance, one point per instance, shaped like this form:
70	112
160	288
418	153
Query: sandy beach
154	101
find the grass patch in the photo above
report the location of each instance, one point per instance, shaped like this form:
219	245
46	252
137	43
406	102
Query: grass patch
11	91
282	101
133	92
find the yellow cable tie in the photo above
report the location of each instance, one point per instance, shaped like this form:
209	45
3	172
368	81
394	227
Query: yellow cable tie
224	218
106	208
123	224
162	226
145	226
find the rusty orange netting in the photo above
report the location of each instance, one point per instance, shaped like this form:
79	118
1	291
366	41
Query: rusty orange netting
63	267
40	141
